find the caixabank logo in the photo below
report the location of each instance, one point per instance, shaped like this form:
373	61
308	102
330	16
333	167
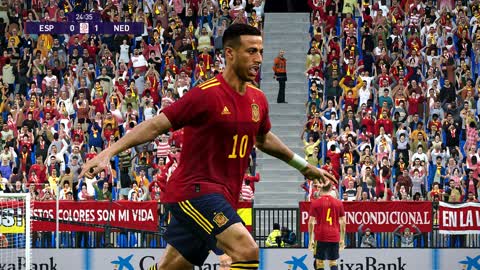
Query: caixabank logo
123	263
369	263
48	264
470	263
297	263
129	263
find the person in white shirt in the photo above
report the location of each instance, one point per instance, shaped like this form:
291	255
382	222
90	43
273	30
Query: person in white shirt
59	155
332	121
124	55
149	110
138	61
246	194
364	93
420	155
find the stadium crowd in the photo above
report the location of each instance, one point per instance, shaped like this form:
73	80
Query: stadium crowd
393	105
65	98
393	99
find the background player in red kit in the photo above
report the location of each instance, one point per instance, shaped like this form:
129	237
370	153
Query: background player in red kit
222	119
327	228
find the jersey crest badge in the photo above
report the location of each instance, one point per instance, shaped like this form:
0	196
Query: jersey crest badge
255	113
220	219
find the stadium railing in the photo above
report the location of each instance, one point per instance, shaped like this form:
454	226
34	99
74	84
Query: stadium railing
263	219
290	218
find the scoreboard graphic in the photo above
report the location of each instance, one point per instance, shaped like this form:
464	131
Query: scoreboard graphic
84	23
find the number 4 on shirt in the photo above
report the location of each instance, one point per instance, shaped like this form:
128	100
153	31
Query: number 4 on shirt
329	217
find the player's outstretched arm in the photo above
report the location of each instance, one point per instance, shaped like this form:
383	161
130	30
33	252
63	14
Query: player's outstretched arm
145	132
272	145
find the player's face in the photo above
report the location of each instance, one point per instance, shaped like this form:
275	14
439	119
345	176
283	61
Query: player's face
246	59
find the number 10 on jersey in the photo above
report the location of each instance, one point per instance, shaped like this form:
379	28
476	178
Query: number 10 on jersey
242	146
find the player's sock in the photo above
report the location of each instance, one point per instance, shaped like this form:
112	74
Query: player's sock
319	265
333	265
245	265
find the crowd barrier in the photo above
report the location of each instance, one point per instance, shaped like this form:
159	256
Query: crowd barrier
141	224
442	225
270	259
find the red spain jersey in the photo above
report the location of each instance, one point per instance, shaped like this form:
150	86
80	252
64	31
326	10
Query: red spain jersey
220	128
327	211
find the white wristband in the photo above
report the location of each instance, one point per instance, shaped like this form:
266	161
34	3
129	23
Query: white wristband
298	162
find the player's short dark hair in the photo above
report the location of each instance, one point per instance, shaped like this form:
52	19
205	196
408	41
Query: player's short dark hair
231	36
326	187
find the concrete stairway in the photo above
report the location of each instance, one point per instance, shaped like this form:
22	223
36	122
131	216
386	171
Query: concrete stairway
279	185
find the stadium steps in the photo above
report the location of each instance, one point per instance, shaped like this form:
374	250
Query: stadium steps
279	184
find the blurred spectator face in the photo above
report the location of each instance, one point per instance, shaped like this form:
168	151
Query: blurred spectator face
74	161
350	184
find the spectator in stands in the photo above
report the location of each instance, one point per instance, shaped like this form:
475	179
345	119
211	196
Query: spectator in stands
18	188
3	241
454	192
471	197
103	194
84	195
368	239
64	191
350	191
246	194
407	237
436	194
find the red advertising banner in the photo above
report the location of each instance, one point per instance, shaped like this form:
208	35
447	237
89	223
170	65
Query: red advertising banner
379	216
463	218
124	214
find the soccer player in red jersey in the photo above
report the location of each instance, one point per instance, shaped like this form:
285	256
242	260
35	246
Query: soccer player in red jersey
327	228
222	119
